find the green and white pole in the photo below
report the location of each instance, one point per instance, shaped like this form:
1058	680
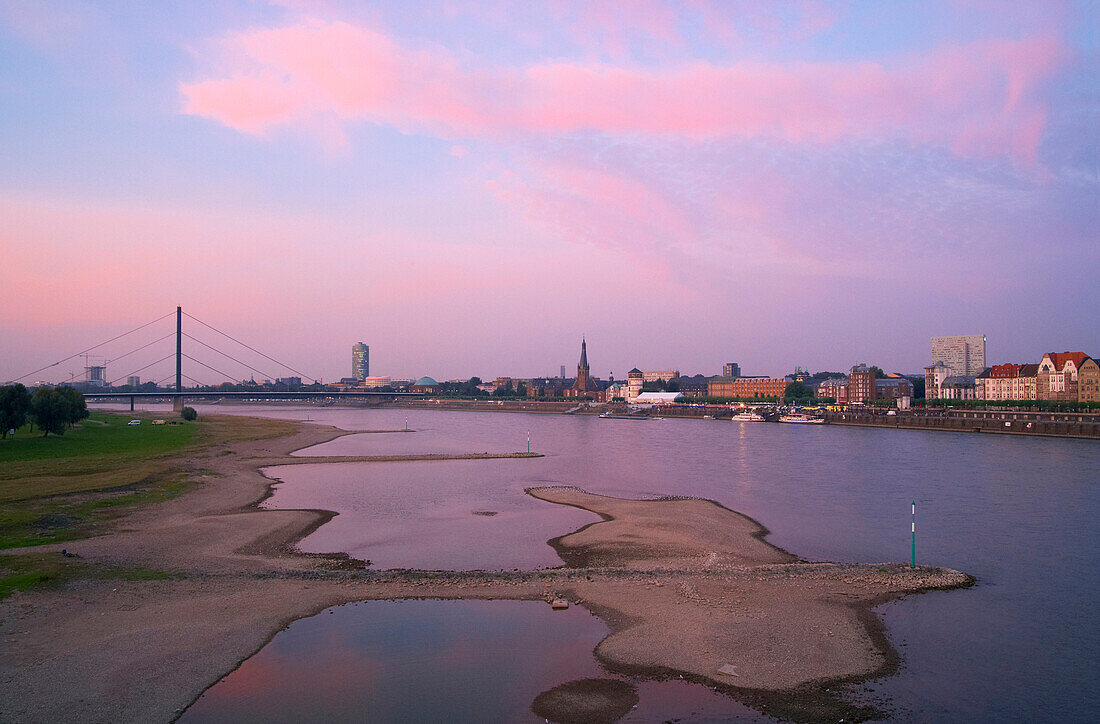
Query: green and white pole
528	442
913	558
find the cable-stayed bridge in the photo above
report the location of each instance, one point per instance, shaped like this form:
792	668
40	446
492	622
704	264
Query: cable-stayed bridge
101	387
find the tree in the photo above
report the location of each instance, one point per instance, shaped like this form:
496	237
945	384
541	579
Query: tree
78	407
797	391
15	403
918	387
188	413
50	411
879	374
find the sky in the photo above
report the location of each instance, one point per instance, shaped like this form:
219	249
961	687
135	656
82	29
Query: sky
470	187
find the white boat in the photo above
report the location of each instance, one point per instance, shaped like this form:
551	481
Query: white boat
802	420
748	416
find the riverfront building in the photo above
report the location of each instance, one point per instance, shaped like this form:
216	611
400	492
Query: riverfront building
360	362
934	375
964	355
1057	377
1007	382
862	386
1088	381
747	387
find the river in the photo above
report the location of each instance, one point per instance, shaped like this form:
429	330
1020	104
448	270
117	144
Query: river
1015	512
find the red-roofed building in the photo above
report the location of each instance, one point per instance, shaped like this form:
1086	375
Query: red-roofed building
1057	377
1007	382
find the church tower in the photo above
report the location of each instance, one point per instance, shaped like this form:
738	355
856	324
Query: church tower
584	383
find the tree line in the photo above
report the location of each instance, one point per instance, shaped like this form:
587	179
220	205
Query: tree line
51	409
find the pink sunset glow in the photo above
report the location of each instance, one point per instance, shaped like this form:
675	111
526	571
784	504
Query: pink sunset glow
975	98
470	186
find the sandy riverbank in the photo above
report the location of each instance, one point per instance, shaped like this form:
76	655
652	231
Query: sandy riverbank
688	588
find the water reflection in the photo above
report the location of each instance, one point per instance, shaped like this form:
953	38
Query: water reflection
398	661
456	515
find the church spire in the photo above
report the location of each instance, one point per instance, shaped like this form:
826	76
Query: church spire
584	355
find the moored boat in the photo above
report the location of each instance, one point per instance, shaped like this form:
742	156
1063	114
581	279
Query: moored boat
748	416
802	420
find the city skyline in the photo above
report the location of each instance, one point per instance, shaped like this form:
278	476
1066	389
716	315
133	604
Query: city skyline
834	183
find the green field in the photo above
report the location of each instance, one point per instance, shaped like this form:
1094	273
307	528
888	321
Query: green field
57	488
102	434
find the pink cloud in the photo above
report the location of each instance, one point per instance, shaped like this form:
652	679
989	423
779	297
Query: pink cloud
610	210
981	98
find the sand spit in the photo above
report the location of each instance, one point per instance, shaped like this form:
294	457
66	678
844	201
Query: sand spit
666	533
688	588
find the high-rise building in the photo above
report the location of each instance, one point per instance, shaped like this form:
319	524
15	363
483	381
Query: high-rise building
963	355
731	369
360	361
133	381
563	372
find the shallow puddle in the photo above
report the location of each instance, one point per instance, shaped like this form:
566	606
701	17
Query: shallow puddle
405	661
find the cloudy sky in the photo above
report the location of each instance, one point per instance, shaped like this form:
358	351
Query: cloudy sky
469	187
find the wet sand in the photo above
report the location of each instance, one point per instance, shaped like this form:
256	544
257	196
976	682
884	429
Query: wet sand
688	588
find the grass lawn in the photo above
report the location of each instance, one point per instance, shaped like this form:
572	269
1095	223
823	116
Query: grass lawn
55	489
104	452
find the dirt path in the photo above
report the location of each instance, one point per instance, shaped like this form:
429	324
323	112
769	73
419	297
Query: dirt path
688	588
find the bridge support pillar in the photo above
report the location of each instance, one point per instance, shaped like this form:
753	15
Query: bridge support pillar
177	404
131	403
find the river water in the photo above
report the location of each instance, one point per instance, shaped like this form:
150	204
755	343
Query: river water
1017	513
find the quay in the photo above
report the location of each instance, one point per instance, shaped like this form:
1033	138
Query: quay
1043	424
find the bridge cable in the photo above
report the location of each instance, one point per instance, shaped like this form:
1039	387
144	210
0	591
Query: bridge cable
228	377
223	354
139	369
116	359
112	339
283	364
169	377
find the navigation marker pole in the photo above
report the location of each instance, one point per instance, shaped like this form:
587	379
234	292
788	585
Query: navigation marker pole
913	559
528	442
